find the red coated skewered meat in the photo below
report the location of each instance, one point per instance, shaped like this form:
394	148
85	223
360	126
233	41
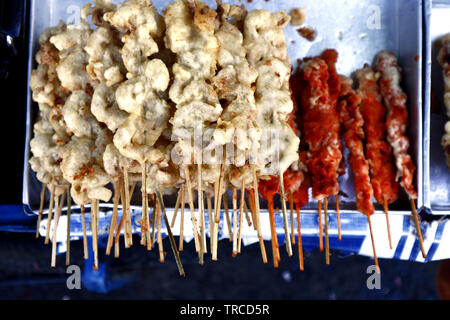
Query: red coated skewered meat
378	151
397	119
352	126
321	129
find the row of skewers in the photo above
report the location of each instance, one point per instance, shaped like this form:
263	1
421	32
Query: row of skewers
372	121
120	105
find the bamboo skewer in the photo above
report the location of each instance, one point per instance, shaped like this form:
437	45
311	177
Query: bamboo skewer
201	213
320	226
419	232
177	206
153	220
169	231
158	231
122	220
251	204
338	217
147	225
41	208
285	220
133	187
215	226
299	242
116	249
291	208
241	216
114	218
128	236
386	213
247	216
327	240
55	227
69	211
143	221
192	209
227	216
83	222
373	246
50	213
183	203
94	232
217	209
219	193
257	213
234	200
273	235
210	220
145	217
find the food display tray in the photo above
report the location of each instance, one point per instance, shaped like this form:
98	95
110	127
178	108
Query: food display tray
436	185
358	30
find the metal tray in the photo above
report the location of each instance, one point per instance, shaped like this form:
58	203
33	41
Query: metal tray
436	173
358	30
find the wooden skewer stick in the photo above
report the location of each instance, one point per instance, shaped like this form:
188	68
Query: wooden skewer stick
50	213
338	217
201	212
133	187
219	192
247	216
215	226
116	249
386	213
299	242
145	217
291	208
217	209
327	240
320	226
419	232
144	203
122	220
251	204
158	231
241	216
121	197
234	200
227	216
148	234
126	211
373	246
210	220
153	219
192	209
273	234
287	237
175	212
83	222
55	227
41	208
114	218
69	211
94	232
257	212
169	231
183	203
